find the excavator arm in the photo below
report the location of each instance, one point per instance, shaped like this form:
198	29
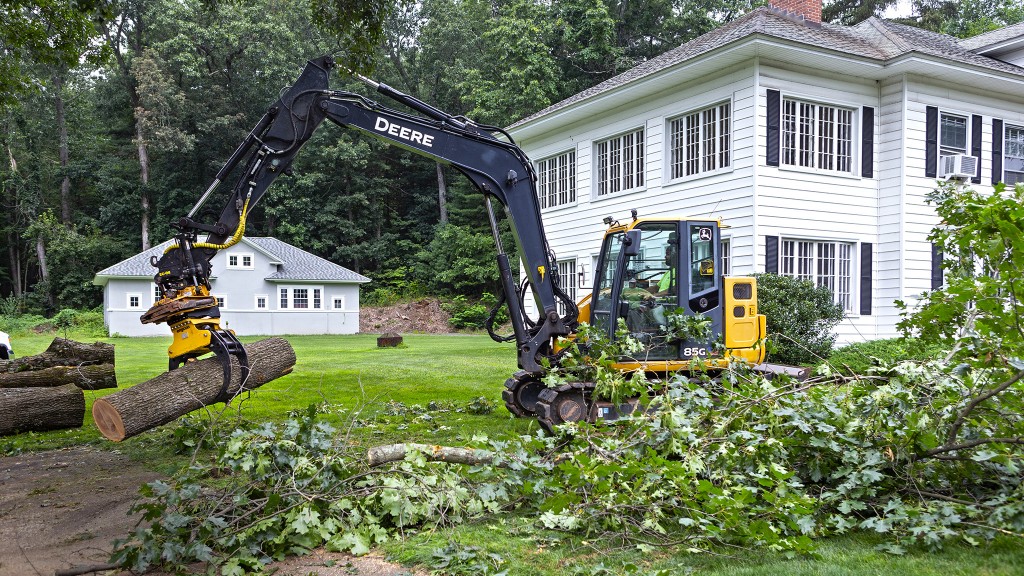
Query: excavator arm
497	167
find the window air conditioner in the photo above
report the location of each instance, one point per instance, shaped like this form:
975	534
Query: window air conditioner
958	166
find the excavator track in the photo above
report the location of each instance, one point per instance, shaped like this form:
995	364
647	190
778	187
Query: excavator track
521	393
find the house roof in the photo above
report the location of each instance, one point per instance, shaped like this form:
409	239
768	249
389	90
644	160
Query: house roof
873	39
989	39
293	264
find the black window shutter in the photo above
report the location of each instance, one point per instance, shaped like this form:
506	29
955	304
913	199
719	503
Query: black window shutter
936	267
772	144
771	254
997	151
931	140
976	145
867	143
865	278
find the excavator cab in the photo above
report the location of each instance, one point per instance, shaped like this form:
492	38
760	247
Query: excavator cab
648	270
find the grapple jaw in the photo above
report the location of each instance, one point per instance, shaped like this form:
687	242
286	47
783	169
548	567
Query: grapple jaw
204	336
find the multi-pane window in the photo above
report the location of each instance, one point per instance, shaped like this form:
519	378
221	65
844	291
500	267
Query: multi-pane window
1013	155
156	293
700	141
817	136
134	301
952	134
240	261
221	301
726	256
620	163
261	302
567	281
556	180
828	264
302	298
338	303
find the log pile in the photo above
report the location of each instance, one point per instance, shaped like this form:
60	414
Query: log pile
196	384
44	392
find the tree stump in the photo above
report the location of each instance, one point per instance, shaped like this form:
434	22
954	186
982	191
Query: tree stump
196	384
389	340
41	409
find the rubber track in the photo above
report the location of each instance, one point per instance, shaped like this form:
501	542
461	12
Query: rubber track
546	414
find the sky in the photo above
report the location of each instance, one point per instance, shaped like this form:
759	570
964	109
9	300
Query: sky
900	9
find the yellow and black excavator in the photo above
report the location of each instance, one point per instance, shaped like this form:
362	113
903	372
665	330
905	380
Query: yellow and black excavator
672	262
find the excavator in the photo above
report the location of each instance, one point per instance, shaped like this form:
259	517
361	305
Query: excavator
647	267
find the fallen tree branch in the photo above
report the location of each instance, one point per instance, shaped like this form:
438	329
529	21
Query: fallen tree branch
77	570
396	452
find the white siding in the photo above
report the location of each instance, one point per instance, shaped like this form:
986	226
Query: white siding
797	202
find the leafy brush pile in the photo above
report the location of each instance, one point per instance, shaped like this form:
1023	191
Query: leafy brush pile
925	453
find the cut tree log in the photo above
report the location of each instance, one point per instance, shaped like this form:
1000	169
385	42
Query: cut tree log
396	453
196	384
62	352
41	409
87	377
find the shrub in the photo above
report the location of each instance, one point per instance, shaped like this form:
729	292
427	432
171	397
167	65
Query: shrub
466	314
857	358
801	317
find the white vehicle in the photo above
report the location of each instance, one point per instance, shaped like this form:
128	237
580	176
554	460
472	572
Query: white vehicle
6	352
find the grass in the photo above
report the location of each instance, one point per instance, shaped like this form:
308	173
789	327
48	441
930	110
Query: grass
349	373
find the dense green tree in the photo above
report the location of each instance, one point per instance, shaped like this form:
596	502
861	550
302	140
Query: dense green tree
965	18
849	12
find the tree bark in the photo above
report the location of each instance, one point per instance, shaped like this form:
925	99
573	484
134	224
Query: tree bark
442	195
85	377
196	384
41	409
62	352
62	136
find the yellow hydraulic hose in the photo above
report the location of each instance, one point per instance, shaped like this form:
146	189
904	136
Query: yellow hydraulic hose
231	241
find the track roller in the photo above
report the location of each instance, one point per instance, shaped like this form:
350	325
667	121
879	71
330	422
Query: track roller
567	403
521	392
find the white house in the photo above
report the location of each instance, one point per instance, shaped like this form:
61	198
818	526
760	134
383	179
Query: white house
264	286
815	143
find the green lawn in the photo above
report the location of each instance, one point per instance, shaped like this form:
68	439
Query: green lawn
349	374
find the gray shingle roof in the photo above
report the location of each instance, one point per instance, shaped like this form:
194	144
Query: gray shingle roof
295	264
874	39
975	43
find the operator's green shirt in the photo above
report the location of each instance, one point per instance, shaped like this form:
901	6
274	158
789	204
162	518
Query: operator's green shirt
666	280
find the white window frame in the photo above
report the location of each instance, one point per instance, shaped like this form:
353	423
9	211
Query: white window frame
818	136
1017	148
947	148
337	302
619	163
222	301
239	261
286	300
829	263
726	251
138	301
700	142
256	302
156	292
556	180
569	280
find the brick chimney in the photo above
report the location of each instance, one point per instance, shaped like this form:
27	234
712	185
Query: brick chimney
810	10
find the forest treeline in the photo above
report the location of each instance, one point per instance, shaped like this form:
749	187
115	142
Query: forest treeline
116	115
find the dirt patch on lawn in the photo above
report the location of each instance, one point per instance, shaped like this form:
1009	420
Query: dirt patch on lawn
423	316
63	508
